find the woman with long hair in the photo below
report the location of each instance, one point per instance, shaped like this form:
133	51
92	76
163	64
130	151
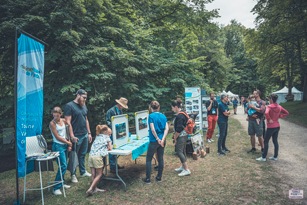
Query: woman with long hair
273	113
180	137
61	145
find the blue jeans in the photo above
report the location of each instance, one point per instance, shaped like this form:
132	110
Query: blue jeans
222	139
81	150
112	158
152	147
62	149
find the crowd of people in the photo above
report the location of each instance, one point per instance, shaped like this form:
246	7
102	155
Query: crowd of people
75	113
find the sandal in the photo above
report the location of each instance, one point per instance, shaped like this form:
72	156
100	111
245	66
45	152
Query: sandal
90	192
99	190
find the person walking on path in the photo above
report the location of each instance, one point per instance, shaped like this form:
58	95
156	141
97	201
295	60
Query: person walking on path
212	108
235	105
180	137
122	103
158	129
272	115
79	129
223	125
253	127
61	145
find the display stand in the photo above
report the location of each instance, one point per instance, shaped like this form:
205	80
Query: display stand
193	105
120	130
141	124
204	113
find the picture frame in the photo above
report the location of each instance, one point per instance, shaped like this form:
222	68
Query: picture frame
141	124
120	130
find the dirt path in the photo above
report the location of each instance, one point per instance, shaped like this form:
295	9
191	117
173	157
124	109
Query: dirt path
292	156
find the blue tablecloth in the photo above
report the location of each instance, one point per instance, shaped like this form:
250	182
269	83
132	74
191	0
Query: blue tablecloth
138	147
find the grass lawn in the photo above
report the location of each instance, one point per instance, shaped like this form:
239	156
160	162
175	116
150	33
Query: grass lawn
297	112
236	178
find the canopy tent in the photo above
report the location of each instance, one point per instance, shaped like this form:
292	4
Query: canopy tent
282	94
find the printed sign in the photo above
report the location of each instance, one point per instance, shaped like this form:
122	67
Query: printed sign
296	194
29	96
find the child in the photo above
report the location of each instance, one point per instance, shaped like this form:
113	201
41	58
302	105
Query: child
252	111
99	150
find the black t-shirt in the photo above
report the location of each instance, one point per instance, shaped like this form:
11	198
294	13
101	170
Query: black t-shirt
214	106
78	118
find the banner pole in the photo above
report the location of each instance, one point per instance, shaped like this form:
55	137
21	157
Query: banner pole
15	111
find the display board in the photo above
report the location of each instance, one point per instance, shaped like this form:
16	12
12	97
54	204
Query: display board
198	143
120	130
204	113
193	104
141	124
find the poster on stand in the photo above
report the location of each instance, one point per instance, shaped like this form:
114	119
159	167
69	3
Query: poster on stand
120	130
193	104
198	143
141	124
204	113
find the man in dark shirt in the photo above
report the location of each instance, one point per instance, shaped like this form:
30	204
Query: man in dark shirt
253	127
115	110
212	113
223	125
79	129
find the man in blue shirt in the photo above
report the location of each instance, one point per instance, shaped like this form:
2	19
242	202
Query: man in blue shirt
116	110
223	124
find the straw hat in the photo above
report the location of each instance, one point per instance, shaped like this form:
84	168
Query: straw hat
123	102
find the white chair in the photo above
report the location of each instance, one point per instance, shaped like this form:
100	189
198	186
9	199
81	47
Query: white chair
35	147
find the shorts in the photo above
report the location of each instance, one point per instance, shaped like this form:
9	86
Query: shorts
95	161
254	128
235	106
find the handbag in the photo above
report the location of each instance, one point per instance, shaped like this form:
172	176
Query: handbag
73	160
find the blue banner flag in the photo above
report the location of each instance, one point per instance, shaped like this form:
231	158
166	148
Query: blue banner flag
29	96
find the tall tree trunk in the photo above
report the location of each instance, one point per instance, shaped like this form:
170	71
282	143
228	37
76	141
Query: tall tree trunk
304	70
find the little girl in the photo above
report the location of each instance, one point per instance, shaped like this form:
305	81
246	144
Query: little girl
99	150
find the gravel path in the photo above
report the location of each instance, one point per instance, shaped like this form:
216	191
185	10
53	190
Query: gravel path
292	156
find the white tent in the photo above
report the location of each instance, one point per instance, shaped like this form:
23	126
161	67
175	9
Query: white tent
282	94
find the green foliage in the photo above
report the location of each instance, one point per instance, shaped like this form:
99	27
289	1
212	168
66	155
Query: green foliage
141	50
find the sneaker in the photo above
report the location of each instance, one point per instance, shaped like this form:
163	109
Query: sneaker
158	179
226	150
261	159
221	153
146	181
211	140
66	186
184	173
208	140
86	174
252	150
273	158
74	179
218	135
179	169
57	192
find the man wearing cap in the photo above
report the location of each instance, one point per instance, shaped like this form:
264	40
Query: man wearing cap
79	129
116	110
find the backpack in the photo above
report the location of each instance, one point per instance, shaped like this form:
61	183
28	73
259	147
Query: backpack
190	125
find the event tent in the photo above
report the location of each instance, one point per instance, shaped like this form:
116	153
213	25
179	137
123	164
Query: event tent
298	95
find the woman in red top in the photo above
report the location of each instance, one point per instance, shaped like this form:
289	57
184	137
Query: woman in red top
273	113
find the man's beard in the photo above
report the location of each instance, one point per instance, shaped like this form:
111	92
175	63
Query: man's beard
212	98
80	102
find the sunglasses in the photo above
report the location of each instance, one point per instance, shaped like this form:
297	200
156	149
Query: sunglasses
84	97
